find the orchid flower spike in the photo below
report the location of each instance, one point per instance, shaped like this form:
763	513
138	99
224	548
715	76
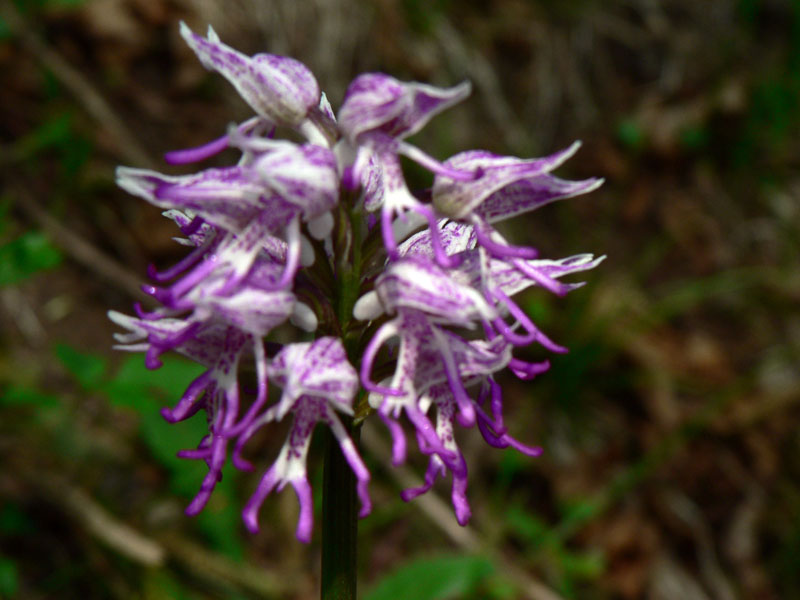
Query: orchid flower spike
312	268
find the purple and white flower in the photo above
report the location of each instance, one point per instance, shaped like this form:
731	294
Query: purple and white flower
413	306
317	381
278	88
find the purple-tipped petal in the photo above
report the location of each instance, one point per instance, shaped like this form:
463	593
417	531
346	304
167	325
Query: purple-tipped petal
215	462
439	168
265	487
188	402
192	155
435	469
387	331
513	276
375	102
319	369
417	284
501	250
397	433
525	196
502	441
278	88
228	198
490	194
305	176
528	370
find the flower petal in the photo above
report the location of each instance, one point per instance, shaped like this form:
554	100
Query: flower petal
227	198
424	286
506	186
455	237
319	369
375	102
303	175
277	87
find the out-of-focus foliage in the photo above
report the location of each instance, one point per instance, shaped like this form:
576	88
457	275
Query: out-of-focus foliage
142	392
435	578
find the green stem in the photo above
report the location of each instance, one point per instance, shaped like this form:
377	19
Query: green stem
339	522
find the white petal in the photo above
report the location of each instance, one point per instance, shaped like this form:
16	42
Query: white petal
303	317
321	227
368	307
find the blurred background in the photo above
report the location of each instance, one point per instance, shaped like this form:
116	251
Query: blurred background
672	449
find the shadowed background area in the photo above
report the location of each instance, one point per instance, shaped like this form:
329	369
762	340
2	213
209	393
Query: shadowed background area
671	464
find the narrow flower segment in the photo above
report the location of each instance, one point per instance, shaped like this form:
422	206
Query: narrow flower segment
286	240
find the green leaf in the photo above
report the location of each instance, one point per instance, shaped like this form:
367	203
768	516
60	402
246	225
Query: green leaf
23	396
8	578
159	584
631	135
434	578
528	527
55	132
13	521
88	369
29	253
586	565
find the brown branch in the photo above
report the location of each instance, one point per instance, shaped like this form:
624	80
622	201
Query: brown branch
156	551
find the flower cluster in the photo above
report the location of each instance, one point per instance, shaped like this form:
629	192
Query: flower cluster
409	294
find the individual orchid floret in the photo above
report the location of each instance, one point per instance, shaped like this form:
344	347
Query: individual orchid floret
317	380
441	396
255	305
223	273
226	198
427	354
414	283
286	185
378	112
219	348
278	88
379	104
285	180
507	187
